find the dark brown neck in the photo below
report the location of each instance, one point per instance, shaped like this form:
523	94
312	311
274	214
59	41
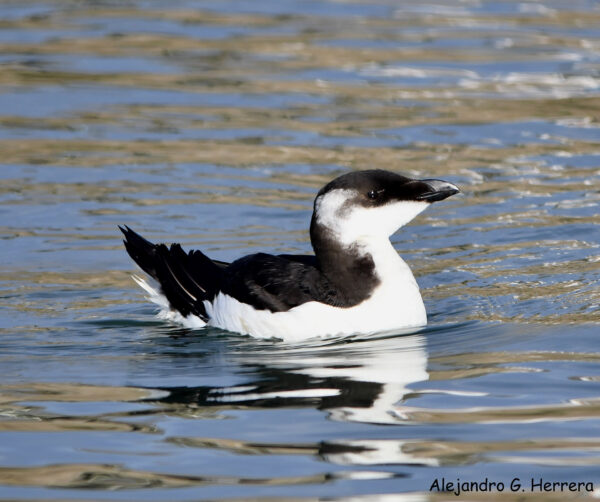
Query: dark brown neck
350	272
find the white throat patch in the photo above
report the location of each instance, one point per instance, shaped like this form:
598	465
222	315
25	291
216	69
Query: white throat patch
352	223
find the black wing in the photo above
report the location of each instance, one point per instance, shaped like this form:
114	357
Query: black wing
277	283
267	282
186	279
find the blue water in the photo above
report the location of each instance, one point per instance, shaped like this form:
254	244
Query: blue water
214	125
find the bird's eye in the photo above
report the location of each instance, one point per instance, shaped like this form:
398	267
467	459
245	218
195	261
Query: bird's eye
372	194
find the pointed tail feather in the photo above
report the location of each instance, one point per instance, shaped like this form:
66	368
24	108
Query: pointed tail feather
186	279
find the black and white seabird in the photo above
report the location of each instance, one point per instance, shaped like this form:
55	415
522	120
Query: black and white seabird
354	283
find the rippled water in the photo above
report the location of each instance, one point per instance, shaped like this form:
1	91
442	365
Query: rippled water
213	124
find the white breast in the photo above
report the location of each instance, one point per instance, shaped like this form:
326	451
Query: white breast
395	304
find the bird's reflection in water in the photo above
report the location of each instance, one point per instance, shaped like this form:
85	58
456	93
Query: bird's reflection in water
363	379
372	376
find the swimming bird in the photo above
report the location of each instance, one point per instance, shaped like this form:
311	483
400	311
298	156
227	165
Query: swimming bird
355	283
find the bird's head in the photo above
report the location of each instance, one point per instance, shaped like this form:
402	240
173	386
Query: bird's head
374	203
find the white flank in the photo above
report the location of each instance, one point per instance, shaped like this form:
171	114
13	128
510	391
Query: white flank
395	304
